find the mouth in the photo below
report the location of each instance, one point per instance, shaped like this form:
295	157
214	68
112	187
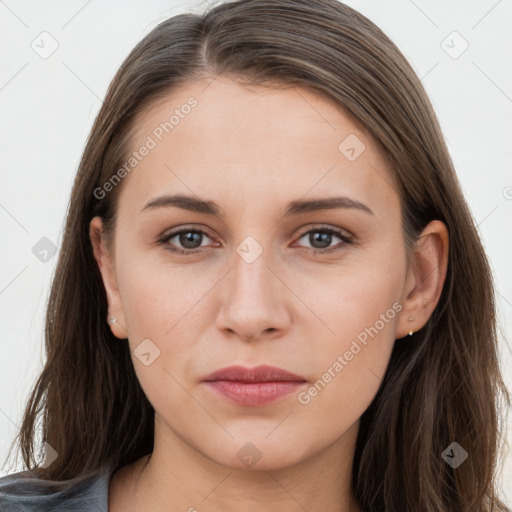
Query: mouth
253	386
263	373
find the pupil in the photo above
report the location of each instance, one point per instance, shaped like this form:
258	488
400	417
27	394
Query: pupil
187	239
323	238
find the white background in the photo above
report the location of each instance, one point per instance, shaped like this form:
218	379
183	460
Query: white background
48	105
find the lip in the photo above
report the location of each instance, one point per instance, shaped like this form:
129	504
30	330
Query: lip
262	373
253	386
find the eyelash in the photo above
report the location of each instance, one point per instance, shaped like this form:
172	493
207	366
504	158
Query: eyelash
324	229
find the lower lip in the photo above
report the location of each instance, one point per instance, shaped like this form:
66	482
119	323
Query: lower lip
254	393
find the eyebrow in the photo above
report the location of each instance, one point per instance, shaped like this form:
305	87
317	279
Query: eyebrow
194	204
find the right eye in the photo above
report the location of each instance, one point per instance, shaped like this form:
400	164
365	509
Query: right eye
190	240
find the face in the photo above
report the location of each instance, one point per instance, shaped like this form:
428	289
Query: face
268	278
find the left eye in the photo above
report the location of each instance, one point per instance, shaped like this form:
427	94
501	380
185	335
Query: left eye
191	240
323	236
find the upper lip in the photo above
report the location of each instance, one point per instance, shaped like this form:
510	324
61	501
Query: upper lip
263	373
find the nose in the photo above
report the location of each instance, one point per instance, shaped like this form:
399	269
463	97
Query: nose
254	301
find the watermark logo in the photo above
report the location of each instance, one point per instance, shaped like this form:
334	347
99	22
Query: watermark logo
44	44
454	45
49	456
44	250
351	147
454	455
249	249
146	352
249	454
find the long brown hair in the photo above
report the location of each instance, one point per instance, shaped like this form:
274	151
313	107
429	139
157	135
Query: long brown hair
442	386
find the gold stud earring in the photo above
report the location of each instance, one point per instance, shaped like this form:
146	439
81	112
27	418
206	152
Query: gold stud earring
410	320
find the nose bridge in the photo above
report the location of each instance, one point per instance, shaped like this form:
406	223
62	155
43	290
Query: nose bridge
251	279
252	303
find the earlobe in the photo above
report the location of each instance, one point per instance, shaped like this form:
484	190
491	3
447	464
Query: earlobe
425	278
106	267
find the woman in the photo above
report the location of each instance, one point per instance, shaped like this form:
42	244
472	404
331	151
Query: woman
211	345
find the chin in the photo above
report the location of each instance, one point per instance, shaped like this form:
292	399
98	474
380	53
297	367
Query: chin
260	455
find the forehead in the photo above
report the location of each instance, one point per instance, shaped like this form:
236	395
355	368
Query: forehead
254	144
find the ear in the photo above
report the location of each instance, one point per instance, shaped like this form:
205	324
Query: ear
425	278
105	263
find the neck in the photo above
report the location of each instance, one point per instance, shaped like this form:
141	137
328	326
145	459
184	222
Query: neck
176	477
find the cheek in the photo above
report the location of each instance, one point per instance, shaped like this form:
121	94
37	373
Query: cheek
361	310
348	298
350	368
159	309
170	307
158	298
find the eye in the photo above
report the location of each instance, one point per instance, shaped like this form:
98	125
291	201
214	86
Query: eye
189	239
321	237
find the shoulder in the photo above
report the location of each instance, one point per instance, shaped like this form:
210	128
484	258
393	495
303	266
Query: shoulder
23	492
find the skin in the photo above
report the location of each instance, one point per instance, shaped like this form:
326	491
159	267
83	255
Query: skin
290	307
